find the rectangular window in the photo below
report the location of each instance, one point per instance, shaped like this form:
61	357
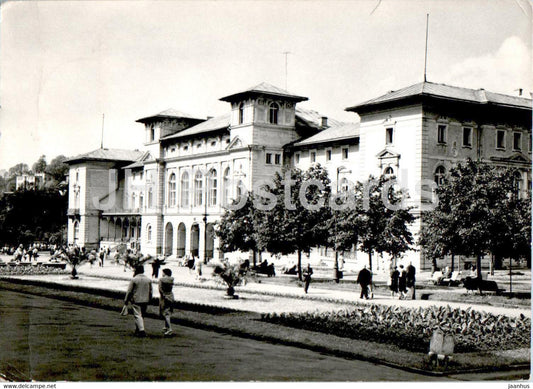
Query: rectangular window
500	139
441	133
328	155
297	158
268	159
529	142
389	135
277	159
312	156
467	136
517	141
345	153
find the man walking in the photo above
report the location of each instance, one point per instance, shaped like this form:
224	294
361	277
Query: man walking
139	295
410	280
307	277
364	279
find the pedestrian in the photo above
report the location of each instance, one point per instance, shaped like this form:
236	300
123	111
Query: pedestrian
410	280
156	264
402	281
394	279
102	256
139	295
433	266
364	279
307	277
166	299
198	267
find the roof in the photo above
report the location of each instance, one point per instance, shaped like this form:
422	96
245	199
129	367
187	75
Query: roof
476	96
336	133
308	116
146	156
213	124
107	155
264	89
314	118
170	113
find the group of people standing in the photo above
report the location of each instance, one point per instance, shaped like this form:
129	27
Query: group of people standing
402	282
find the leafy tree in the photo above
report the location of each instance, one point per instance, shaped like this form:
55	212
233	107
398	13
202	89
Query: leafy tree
57	169
383	224
26	216
236	229
40	166
477	213
19	168
292	226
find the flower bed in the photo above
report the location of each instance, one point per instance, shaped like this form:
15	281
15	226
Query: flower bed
30	270
411	329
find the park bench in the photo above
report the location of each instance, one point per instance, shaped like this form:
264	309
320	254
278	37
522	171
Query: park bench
61	266
481	285
453	280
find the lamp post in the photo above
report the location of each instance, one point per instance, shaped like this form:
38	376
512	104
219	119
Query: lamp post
205	217
336	265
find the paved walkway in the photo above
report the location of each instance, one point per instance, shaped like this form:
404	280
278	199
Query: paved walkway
254	296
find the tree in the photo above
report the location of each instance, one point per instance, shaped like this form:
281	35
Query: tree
57	169
381	221
40	166
293	225
18	169
236	229
477	213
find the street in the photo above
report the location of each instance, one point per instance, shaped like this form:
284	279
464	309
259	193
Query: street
50	340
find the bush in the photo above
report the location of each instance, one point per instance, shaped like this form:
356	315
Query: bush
30	270
411	329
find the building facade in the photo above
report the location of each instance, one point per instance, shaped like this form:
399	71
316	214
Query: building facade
166	198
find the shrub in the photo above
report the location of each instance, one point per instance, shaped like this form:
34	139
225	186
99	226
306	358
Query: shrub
411	329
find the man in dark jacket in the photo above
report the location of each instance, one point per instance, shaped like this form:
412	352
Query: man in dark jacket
410	280
364	279
139	295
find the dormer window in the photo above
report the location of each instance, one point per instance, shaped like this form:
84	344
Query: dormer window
241	113
273	113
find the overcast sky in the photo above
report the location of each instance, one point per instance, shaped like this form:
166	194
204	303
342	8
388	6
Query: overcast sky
63	64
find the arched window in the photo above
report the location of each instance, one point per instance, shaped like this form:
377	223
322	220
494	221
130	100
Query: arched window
227	187
148	232
185	189
440	172
172	190
141	201
212	188
273	113
389	172
198	189
241	113
133	202
240	189
344	185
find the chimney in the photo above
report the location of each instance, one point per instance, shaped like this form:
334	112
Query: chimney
324	123
209	117
520	90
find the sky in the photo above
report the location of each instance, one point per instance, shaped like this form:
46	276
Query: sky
63	64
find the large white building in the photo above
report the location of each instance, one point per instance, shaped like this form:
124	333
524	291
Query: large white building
166	198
